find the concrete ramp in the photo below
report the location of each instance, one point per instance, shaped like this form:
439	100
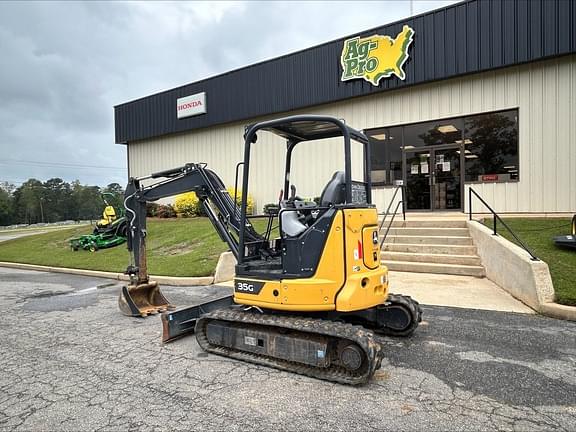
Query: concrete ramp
455	291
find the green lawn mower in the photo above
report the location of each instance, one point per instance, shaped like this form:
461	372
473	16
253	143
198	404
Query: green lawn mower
567	241
110	231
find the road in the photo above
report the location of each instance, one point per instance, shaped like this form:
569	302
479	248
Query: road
70	361
7	235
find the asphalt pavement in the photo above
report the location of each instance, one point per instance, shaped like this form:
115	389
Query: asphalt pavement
71	361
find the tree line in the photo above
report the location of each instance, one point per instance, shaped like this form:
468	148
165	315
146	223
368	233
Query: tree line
53	201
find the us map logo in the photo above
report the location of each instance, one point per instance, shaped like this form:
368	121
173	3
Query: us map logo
375	57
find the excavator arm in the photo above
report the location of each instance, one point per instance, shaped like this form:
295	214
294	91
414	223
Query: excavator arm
143	297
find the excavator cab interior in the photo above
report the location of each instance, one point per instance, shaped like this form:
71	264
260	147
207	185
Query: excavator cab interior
305	213
303	225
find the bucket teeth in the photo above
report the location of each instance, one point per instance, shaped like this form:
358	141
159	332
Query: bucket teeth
143	300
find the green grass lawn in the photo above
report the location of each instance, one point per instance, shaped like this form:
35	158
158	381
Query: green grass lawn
176	247
537	234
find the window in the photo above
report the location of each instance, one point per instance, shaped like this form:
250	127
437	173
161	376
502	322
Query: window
386	155
491	142
433	133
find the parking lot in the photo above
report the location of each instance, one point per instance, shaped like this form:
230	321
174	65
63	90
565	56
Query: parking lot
71	361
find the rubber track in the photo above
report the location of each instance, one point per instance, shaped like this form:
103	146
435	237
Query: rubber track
415	314
358	334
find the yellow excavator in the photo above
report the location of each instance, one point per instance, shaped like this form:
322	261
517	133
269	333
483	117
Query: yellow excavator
308	301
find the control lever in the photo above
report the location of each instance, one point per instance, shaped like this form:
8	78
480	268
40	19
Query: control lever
292	192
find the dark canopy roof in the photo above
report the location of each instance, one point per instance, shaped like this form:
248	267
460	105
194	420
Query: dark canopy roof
309	128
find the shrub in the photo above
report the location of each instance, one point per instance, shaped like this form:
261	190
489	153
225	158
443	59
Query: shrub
186	204
199	209
165	211
152	209
249	202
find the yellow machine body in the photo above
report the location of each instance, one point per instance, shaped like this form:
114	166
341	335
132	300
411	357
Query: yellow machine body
349	276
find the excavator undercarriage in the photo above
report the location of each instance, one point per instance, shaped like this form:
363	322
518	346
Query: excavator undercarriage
331	346
310	301
319	348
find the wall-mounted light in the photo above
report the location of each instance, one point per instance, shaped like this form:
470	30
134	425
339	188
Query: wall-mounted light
446	129
379	137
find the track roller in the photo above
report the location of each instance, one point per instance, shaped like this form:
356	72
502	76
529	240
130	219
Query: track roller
399	316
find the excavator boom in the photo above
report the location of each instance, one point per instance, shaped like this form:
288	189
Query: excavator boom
142	297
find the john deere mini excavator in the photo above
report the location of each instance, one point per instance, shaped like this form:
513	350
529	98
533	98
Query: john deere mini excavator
308	301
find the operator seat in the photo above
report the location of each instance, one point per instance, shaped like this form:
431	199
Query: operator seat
334	193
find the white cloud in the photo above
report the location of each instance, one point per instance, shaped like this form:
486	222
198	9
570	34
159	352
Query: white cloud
64	65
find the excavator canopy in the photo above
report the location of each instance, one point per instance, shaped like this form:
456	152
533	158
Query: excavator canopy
297	129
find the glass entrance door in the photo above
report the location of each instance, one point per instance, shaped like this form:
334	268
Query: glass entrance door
433	179
418	180
446	180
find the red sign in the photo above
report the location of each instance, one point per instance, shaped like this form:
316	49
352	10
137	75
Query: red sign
490	177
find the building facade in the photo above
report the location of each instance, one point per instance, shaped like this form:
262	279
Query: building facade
481	94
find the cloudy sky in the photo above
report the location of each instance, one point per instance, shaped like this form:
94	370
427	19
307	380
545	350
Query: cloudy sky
64	65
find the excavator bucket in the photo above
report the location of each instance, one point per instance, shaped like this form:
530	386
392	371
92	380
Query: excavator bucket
143	300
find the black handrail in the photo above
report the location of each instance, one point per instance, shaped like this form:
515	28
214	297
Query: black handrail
497	218
392	221
238	165
390	205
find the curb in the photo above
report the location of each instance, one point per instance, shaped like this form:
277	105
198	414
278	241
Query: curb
555	310
166	280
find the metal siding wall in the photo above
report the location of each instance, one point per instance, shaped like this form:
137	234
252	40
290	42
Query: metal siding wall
570	80
543	92
469	37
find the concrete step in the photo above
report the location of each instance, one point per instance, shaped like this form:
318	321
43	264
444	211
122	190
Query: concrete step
471	260
427	231
435	223
418	267
430	248
438	240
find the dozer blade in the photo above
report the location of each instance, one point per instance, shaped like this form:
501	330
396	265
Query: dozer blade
143	300
182	321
